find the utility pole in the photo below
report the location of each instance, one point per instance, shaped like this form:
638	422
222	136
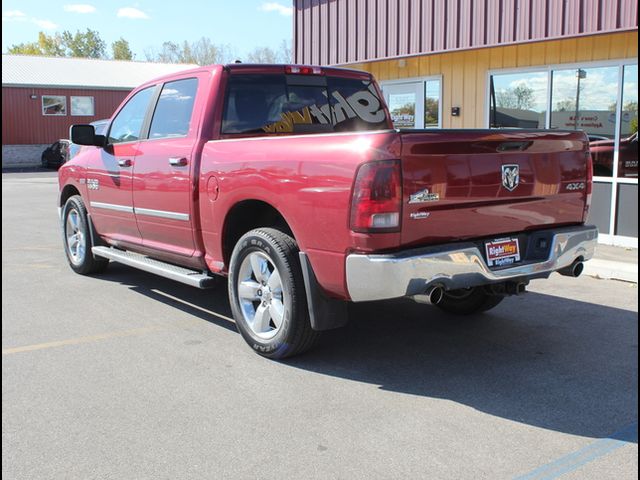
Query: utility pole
580	74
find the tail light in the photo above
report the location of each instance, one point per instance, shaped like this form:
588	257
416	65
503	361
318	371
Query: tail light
376	202
589	187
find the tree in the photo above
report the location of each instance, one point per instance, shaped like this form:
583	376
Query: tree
87	44
630	107
520	97
121	51
567	105
50	45
285	53
431	111
268	55
65	44
202	52
262	55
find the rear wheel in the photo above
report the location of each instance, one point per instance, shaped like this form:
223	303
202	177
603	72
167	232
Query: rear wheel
77	238
267	296
467	301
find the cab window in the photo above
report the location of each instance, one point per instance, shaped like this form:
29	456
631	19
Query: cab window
127	125
173	111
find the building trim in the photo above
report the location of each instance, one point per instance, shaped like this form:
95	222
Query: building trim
66	87
482	47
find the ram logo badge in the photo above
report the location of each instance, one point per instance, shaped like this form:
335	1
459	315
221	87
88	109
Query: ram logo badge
510	177
423	196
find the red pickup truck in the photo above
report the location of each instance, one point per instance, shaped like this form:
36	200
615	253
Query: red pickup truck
291	182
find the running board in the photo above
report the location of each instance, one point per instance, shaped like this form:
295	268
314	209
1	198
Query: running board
167	270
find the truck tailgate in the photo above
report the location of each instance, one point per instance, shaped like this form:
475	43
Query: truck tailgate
466	184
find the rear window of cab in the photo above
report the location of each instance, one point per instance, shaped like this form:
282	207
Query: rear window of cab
280	104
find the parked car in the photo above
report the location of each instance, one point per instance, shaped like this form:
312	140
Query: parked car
596	138
602	154
291	182
56	154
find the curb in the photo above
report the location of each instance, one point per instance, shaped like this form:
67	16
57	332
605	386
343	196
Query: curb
610	270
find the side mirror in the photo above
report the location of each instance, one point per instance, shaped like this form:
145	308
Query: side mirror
86	135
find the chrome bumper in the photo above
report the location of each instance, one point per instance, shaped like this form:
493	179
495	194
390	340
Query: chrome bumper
460	265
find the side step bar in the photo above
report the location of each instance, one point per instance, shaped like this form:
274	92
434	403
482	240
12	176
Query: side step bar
167	270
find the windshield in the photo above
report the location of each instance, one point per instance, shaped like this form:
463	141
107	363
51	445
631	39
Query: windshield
275	103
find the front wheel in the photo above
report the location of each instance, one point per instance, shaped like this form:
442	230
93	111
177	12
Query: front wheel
77	238
266	291
468	301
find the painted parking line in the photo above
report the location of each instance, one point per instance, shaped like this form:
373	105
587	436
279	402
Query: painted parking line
591	452
79	340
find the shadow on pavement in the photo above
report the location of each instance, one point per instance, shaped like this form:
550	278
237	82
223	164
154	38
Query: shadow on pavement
544	361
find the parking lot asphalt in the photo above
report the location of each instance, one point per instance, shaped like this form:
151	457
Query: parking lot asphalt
128	375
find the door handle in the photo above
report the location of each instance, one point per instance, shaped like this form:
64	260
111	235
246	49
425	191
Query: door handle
125	162
177	161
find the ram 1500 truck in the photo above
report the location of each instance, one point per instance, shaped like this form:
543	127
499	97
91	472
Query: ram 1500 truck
292	182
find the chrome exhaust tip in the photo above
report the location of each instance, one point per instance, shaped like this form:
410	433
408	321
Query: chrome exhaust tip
432	296
573	270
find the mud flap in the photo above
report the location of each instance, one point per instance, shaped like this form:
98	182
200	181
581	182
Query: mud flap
325	313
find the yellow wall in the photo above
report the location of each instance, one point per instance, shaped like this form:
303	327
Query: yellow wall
464	74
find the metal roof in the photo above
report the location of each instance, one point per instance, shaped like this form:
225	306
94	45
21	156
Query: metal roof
35	71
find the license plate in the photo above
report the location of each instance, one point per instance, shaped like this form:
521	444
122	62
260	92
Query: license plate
504	251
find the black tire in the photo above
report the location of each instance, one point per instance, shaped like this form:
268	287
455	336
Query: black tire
279	251
81	260
468	301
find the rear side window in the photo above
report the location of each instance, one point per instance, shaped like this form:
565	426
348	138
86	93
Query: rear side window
127	125
173	111
300	104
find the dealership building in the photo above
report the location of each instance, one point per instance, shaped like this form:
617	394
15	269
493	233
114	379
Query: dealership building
566	64
43	96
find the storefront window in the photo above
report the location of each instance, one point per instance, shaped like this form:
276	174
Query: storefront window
585	99
518	100
432	103
628	149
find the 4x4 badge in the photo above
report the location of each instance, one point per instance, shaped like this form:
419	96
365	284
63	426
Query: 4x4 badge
510	177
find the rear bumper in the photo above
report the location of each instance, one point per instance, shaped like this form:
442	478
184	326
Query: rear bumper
460	265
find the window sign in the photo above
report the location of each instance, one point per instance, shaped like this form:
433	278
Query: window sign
402	107
82	106
54	105
585	99
296	104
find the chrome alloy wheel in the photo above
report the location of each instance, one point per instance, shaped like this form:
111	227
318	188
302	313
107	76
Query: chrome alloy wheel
76	241
260	295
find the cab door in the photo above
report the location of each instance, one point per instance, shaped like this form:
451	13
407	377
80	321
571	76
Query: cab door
109	178
163	190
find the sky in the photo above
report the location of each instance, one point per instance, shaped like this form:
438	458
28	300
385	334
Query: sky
145	24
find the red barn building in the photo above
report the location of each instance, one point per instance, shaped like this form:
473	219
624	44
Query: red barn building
43	96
